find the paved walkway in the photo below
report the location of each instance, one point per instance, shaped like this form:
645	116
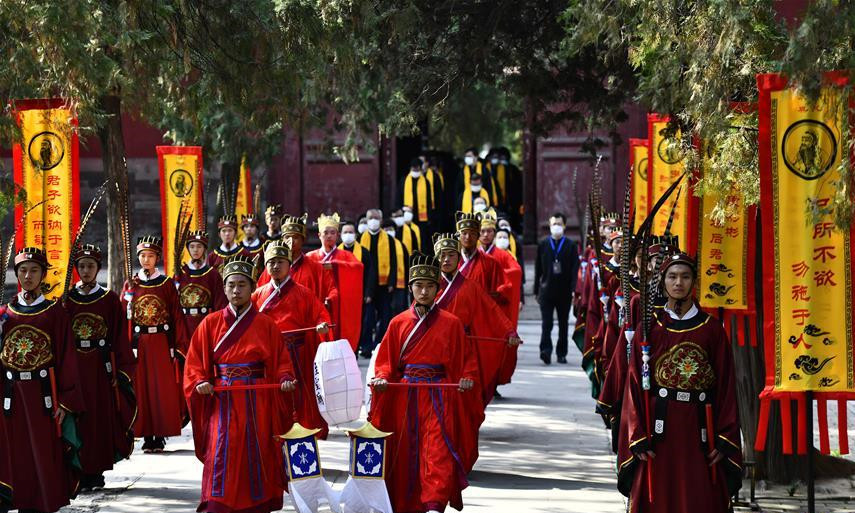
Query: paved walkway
542	450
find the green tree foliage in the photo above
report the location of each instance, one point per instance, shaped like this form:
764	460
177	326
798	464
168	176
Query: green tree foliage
693	59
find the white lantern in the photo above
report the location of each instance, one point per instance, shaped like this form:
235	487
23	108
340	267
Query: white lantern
338	382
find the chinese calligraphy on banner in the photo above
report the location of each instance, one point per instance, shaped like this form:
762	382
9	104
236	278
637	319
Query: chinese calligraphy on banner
47	167
665	165
181	182
243	204
638	158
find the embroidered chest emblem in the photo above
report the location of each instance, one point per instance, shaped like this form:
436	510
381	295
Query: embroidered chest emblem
89	326
194	296
26	348
685	366
149	310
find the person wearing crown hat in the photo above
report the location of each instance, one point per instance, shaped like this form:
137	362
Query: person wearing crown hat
294	307
273	219
106	365
389	266
227	229
481	317
595	352
158	332
424	344
554	281
238	345
691	366
478	266
252	243
200	287
346	273
37	348
307	272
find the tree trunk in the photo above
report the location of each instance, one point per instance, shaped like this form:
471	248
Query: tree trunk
116	170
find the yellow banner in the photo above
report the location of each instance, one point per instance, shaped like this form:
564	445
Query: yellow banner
723	261
665	166
181	184
243	205
639	156
813	282
47	167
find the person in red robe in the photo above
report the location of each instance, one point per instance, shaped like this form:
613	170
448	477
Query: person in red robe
227	229
580	297
200	288
606	334
37	351
233	432
252	243
106	364
477	266
691	366
423	345
513	276
484	321
307	272
346	273
159	333
294	307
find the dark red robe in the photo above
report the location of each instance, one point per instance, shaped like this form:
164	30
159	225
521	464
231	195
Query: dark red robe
234	432
217	258
296	307
513	276
99	325
36	339
345	272
691	364
580	299
157	329
594	316
428	470
200	292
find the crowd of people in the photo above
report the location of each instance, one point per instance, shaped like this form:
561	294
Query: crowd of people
661	369
86	374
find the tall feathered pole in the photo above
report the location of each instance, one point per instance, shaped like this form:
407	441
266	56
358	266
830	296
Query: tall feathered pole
625	248
673	211
75	244
182	232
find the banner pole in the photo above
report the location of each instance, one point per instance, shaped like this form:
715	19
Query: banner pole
811	479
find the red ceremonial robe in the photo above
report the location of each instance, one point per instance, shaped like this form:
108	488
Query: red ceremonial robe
5	471
157	328
594	317
345	273
427	472
580	299
36	339
200	292
98	323
293	307
513	275
691	364
607	332
234	431
487	272
468	301
310	274
217	258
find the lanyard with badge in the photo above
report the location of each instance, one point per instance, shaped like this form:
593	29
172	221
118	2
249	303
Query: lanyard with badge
556	264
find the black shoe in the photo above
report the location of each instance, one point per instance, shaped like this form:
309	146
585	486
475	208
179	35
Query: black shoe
97	482
148	444
497	395
562	359
159	444
546	357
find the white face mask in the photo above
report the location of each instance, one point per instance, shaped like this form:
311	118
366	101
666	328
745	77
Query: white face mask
556	230
391	232
475	188
399	221
494	161
479	207
373	224
415	173
503	243
470	161
504	162
362	227
408	216
348	238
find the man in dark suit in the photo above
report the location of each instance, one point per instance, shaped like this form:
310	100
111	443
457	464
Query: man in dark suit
554	282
